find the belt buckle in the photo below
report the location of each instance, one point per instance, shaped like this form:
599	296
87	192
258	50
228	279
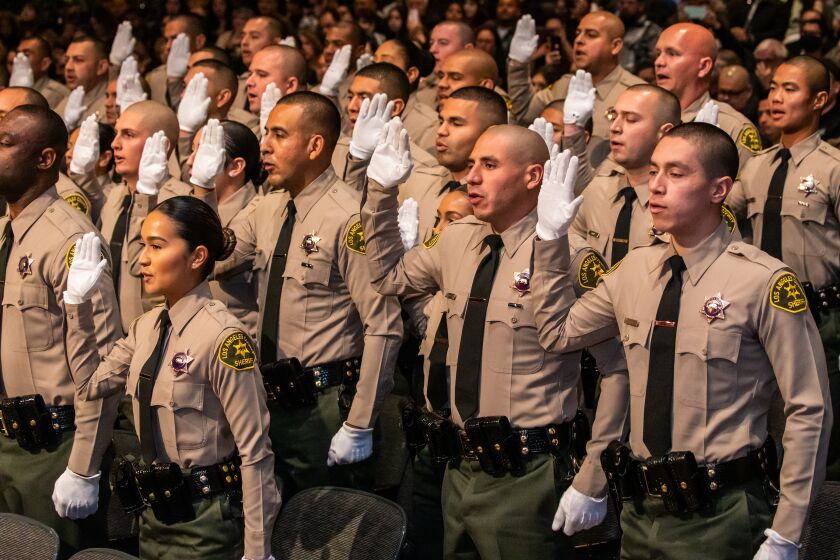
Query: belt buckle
466	447
322	378
648	491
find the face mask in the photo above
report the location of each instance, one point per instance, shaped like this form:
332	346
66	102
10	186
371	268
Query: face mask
810	42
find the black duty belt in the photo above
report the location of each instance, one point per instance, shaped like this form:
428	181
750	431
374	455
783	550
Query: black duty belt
32	424
294	386
822	299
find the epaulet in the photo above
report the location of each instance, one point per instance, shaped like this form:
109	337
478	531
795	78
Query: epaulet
345	196
754	254
435	170
766	150
829	150
467	221
609	168
177	187
629	79
67	219
424	158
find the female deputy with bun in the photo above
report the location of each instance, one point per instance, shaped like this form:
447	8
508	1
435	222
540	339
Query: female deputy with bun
199	404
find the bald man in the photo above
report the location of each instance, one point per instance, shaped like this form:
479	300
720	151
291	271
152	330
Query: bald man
167	89
446	38
735	87
499	377
598	44
685	57
467	67
281	65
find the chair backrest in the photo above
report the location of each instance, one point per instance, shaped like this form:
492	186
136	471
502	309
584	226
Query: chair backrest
25	538
329	522
102	554
821	538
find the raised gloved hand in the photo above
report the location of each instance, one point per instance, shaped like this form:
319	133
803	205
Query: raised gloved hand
337	71
557	205
74	109
578	512
776	547
408	217
75	496
374	114
22	75
123	44
86	148
391	162
580	100
269	557
708	113
366	59
154	169
129	90
525	40
546	131
350	445
289	41
209	157
192	112
85	270
179	55
271	95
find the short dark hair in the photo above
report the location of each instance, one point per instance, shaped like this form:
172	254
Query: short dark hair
194	25
668	108
322	116
492	106
43	45
392	80
99	48
226	75
241	142
106	137
31	96
716	149
49	130
816	73
559	104
218	54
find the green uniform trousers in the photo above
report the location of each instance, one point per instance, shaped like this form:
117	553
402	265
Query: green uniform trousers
830	335
731	529
505	518
216	533
26	486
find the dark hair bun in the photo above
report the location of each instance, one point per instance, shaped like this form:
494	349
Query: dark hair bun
229	245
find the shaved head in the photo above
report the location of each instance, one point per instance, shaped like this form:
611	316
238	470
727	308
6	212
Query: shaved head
15	96
156	116
480	63
816	73
610	23
524	145
736	73
467	67
685	57
696	38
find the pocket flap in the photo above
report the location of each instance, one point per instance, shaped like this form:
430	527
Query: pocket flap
455	305
187	395
512	313
26	296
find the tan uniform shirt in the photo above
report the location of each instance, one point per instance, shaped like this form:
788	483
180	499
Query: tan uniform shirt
736	125
94	189
165	90
810	214
241	101
724	369
94	100
329	310
421	122
41	352
427	90
427	183
527	106
247	118
134	301
74	196
52	91
206	414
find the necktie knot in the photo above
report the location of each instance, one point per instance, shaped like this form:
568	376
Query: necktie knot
629	194
163	320
494	241
677	264
290	208
452	186
784	155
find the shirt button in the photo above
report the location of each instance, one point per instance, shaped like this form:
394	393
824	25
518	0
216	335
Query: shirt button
69	315
625	338
171	403
20	302
734	247
703	351
514	320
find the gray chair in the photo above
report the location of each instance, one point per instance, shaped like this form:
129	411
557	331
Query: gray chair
22	538
102	554
821	538
329	522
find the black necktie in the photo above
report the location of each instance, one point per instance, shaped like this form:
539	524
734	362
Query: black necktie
271	313
117	238
621	237
436	389
5	251
452	186
771	227
467	384
660	383
148	375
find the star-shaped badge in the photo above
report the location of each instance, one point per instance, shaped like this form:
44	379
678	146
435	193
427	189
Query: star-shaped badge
24	267
808	185
713	307
310	243
522	282
180	362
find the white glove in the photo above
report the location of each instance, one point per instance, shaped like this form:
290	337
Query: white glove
525	40
74	109
391	162
578	512
708	113
557	205
271	95
210	156
546	131
580	100
374	114
408	218
192	112
776	547
123	44
22	75
269	557
350	445
154	168
179	55
129	90
366	59
85	270
75	496
288	41
336	72
86	149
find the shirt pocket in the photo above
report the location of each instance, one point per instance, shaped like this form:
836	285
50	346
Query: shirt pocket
180	410
707	367
635	340
36	326
511	340
811	213
314	276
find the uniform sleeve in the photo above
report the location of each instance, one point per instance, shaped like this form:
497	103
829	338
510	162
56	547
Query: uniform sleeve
745	154
140	208
246	245
355	172
94	192
382	321
736	201
525	105
242	397
803	382
577	144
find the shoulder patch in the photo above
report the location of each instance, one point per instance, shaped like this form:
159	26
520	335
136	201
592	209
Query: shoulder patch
787	294
592	267
611	269
750	139
355	238
237	352
79	202
508	103
729	218
432	241
71	252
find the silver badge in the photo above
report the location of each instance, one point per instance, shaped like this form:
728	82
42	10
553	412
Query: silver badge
808	185
713	307
180	362
522	282
25	265
310	243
